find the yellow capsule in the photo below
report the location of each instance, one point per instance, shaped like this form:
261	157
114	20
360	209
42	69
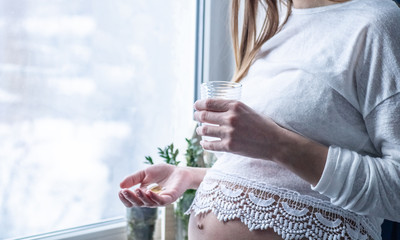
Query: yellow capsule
154	187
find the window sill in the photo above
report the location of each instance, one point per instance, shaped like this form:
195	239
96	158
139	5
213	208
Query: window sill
108	230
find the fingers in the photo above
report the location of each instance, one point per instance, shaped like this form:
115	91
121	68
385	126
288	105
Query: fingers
139	198
225	146
129	199
136	198
126	202
218	111
214	104
147	201
207	116
212	131
161	199
132	180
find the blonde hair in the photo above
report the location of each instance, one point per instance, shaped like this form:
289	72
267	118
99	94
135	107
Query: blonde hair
250	43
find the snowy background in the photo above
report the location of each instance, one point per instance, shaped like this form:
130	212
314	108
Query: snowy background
87	89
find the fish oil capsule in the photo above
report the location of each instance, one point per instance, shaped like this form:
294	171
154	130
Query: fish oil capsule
155	188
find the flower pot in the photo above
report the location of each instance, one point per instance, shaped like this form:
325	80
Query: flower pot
141	222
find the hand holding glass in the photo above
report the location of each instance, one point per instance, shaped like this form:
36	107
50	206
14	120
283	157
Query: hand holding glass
223	90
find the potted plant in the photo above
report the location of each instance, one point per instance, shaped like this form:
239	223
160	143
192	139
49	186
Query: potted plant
142	221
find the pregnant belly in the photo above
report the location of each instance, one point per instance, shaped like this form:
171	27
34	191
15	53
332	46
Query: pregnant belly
207	226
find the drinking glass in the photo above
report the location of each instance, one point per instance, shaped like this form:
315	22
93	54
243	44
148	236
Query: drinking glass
223	90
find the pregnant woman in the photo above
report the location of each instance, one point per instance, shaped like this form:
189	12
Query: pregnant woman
312	150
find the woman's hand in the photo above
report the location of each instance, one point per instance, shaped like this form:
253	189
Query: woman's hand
245	132
174	181
241	129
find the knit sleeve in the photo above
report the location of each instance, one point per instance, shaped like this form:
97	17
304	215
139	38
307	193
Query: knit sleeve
370	185
377	72
364	184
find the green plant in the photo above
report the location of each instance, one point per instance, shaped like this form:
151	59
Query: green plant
169	154
149	160
194	153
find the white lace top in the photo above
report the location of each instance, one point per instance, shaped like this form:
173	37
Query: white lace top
332	75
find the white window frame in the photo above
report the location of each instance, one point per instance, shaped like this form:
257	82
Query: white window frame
214	53
214	61
114	229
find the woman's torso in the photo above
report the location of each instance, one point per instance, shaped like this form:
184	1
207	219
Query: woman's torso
304	79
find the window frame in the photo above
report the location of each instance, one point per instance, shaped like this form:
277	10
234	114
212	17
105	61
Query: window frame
214	51
113	229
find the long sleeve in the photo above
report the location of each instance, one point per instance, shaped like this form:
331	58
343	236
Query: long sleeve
364	184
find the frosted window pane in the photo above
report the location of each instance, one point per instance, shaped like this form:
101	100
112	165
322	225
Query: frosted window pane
87	89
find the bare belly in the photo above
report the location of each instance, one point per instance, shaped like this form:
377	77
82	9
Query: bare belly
207	226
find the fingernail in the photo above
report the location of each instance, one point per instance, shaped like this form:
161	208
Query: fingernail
139	193
125	193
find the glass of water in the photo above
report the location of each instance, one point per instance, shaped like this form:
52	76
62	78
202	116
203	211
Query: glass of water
223	90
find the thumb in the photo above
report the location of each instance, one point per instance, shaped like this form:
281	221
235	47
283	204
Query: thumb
132	180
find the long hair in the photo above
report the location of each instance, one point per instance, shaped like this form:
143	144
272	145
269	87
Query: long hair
250	43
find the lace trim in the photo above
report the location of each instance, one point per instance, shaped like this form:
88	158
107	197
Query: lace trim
288	213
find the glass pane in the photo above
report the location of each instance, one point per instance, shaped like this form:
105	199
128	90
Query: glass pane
87	89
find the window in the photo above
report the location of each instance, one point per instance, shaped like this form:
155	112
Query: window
87	89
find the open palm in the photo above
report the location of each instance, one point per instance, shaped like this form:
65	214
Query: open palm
174	181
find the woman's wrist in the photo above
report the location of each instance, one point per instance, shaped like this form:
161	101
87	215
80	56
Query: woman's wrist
305	157
193	175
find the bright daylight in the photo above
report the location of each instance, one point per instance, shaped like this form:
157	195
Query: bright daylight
87	90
